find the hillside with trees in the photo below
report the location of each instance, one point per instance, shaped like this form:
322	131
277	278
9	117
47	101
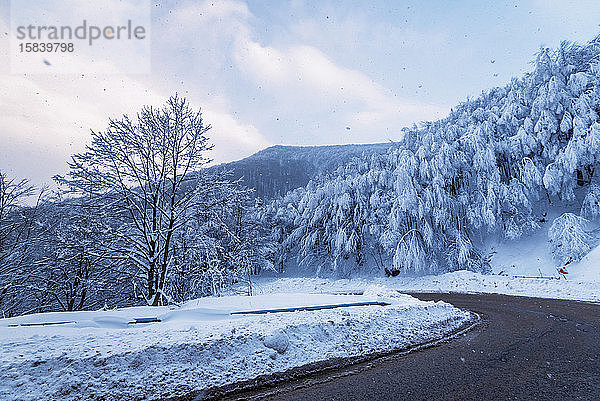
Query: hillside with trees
274	171
496	166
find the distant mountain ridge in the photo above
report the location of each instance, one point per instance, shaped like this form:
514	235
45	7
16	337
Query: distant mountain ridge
274	171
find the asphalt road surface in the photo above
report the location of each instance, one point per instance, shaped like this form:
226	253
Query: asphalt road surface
523	349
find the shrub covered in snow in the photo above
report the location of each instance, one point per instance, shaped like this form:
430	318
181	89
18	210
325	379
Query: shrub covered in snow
569	240
591	203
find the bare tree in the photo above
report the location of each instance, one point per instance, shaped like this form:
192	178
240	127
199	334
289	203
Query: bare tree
73	266
220	246
147	173
16	223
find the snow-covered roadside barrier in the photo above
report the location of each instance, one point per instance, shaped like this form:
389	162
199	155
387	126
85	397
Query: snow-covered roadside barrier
460	281
201	346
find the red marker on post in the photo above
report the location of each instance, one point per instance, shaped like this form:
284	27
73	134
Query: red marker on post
562	271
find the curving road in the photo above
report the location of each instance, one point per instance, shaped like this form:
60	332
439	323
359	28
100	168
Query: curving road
523	349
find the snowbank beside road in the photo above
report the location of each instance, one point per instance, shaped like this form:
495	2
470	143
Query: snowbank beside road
201	345
459	281
588	268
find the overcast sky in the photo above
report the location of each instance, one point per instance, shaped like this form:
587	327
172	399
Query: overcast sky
297	72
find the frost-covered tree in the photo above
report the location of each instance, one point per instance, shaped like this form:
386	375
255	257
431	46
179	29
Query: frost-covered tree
569	240
73	267
219	246
15	227
411	253
145	170
591	203
16	237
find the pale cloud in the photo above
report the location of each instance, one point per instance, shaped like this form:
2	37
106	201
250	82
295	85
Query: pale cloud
48	117
114	56
295	82
304	72
53	115
232	139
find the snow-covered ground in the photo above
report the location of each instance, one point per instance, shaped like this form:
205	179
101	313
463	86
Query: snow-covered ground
101	356
587	269
531	254
459	281
511	261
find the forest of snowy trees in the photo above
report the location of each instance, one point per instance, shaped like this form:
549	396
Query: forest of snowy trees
495	166
139	219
